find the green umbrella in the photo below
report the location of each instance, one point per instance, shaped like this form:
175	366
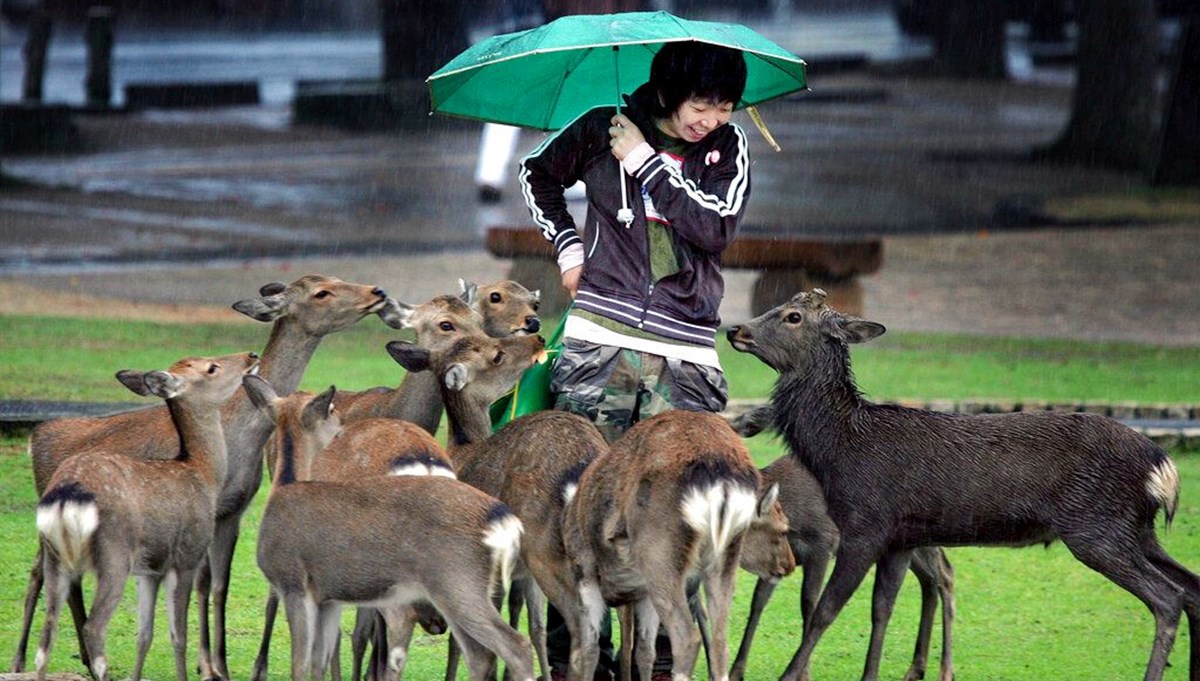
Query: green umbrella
545	77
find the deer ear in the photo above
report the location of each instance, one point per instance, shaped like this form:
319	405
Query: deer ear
457	376
319	409
396	314
768	500
469	290
134	380
265	309
537	295
409	356
261	395
272	289
165	385
860	330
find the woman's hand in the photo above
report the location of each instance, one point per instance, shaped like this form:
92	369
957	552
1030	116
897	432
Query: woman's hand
570	280
625	136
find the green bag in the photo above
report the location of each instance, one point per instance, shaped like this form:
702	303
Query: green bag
532	392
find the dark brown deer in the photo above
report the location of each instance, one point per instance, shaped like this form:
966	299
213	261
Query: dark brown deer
302	314
399	540
326	450
813	537
1001	479
669	502
115	515
531	464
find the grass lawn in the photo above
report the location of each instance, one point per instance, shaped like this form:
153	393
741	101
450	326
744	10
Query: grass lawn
1028	613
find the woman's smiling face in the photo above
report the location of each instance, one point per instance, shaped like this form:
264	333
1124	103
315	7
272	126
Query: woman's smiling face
695	118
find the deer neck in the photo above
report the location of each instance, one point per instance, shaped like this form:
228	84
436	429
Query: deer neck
469	420
417	400
288	352
201	440
815	407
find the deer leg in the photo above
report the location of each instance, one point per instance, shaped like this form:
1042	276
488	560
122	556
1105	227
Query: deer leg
56	584
220	561
848	572
1119	559
946	589
763	588
643	631
360	637
78	615
33	591
262	661
718	587
670	600
377	660
400	623
453	655
329	616
927	578
477	622
1190	583
179	592
147	600
109	587
585	646
301	612
889	575
535	602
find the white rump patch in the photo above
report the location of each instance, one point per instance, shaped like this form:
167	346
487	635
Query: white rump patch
720	512
68	526
568	492
422	470
503	537
1163	485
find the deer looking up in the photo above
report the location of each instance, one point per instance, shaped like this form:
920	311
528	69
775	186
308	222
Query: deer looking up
500	309
115	515
531	464
1001	479
324	450
302	314
401	539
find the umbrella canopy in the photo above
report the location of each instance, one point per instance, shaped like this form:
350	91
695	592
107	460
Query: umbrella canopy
545	77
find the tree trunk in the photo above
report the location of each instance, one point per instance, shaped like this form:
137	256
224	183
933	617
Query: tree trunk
1112	119
969	40
420	36
1178	159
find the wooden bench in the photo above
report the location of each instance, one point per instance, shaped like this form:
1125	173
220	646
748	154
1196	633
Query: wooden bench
786	265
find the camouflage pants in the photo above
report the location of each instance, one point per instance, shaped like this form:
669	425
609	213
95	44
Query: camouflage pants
615	387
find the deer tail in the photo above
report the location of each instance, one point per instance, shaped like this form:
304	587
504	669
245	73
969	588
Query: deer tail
502	534
1162	484
67	518
718	503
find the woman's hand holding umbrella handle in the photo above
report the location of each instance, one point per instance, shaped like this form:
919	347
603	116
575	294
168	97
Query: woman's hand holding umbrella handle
625	136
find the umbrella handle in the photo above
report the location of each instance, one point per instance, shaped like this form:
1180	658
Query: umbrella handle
625	215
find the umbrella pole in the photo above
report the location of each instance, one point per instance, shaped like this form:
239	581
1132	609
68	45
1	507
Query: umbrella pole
625	215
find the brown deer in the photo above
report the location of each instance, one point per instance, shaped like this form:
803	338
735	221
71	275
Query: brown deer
998	479
116	515
530	464
400	539
668	503
499	309
325	449
302	314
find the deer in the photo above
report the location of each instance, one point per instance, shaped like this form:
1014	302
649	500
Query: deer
328	450
115	515
530	464
812	537
302	314
400	539
669	502
1012	479
498	309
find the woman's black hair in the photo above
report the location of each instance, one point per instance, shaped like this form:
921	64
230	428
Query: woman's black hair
683	70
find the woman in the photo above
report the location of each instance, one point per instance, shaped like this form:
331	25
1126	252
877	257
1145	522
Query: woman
641	336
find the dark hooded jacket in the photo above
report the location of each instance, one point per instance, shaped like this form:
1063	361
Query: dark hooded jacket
701	201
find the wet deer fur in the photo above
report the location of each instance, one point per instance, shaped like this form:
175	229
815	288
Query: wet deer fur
388	542
1001	479
115	515
302	314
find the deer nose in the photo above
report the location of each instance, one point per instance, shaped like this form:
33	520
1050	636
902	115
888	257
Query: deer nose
252	355
733	332
532	324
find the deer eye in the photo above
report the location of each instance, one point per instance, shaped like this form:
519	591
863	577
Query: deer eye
213	368
495	297
499	357
446	326
794	318
322	294
536	305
